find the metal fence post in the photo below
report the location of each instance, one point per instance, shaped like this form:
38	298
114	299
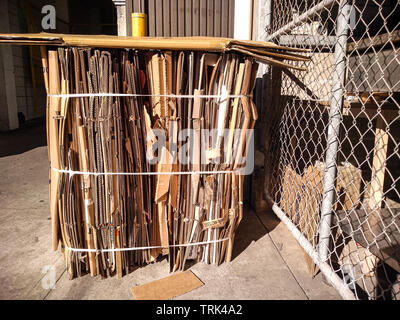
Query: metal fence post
332	147
333	129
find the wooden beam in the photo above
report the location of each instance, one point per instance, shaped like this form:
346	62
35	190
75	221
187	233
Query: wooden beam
378	164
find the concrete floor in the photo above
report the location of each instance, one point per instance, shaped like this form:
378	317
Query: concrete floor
267	264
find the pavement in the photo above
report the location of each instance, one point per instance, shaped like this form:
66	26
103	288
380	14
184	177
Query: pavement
267	261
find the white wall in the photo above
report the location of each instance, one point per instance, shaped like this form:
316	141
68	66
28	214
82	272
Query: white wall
243	19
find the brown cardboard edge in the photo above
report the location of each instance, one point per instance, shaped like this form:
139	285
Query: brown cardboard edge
162	43
170	276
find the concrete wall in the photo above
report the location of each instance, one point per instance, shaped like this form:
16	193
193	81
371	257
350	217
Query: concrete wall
8	106
21	59
8	99
21	81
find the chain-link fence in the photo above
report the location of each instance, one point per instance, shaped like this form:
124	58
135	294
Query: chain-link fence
331	139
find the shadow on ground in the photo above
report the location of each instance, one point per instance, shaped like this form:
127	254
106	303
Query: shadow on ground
250	230
30	135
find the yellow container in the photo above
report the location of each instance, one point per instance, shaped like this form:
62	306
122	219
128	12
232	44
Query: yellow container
139	24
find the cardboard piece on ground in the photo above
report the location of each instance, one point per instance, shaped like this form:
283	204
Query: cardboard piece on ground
168	287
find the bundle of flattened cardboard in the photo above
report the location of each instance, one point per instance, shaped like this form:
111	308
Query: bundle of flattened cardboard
168	84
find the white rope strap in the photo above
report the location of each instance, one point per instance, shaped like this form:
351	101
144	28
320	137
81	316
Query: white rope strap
186	96
72	172
145	248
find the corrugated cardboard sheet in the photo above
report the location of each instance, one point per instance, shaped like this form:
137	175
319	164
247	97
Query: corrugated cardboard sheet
266	52
167	288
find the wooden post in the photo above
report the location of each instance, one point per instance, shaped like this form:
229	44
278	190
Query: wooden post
54	111
378	164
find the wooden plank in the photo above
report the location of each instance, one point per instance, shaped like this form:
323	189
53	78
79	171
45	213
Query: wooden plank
181	18
308	212
203	18
316	41
224	18
129	10
196	17
135	5
167	18
159	14
217	18
174	18
378	164
375	41
231	18
152	18
210	18
379	68
188	18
